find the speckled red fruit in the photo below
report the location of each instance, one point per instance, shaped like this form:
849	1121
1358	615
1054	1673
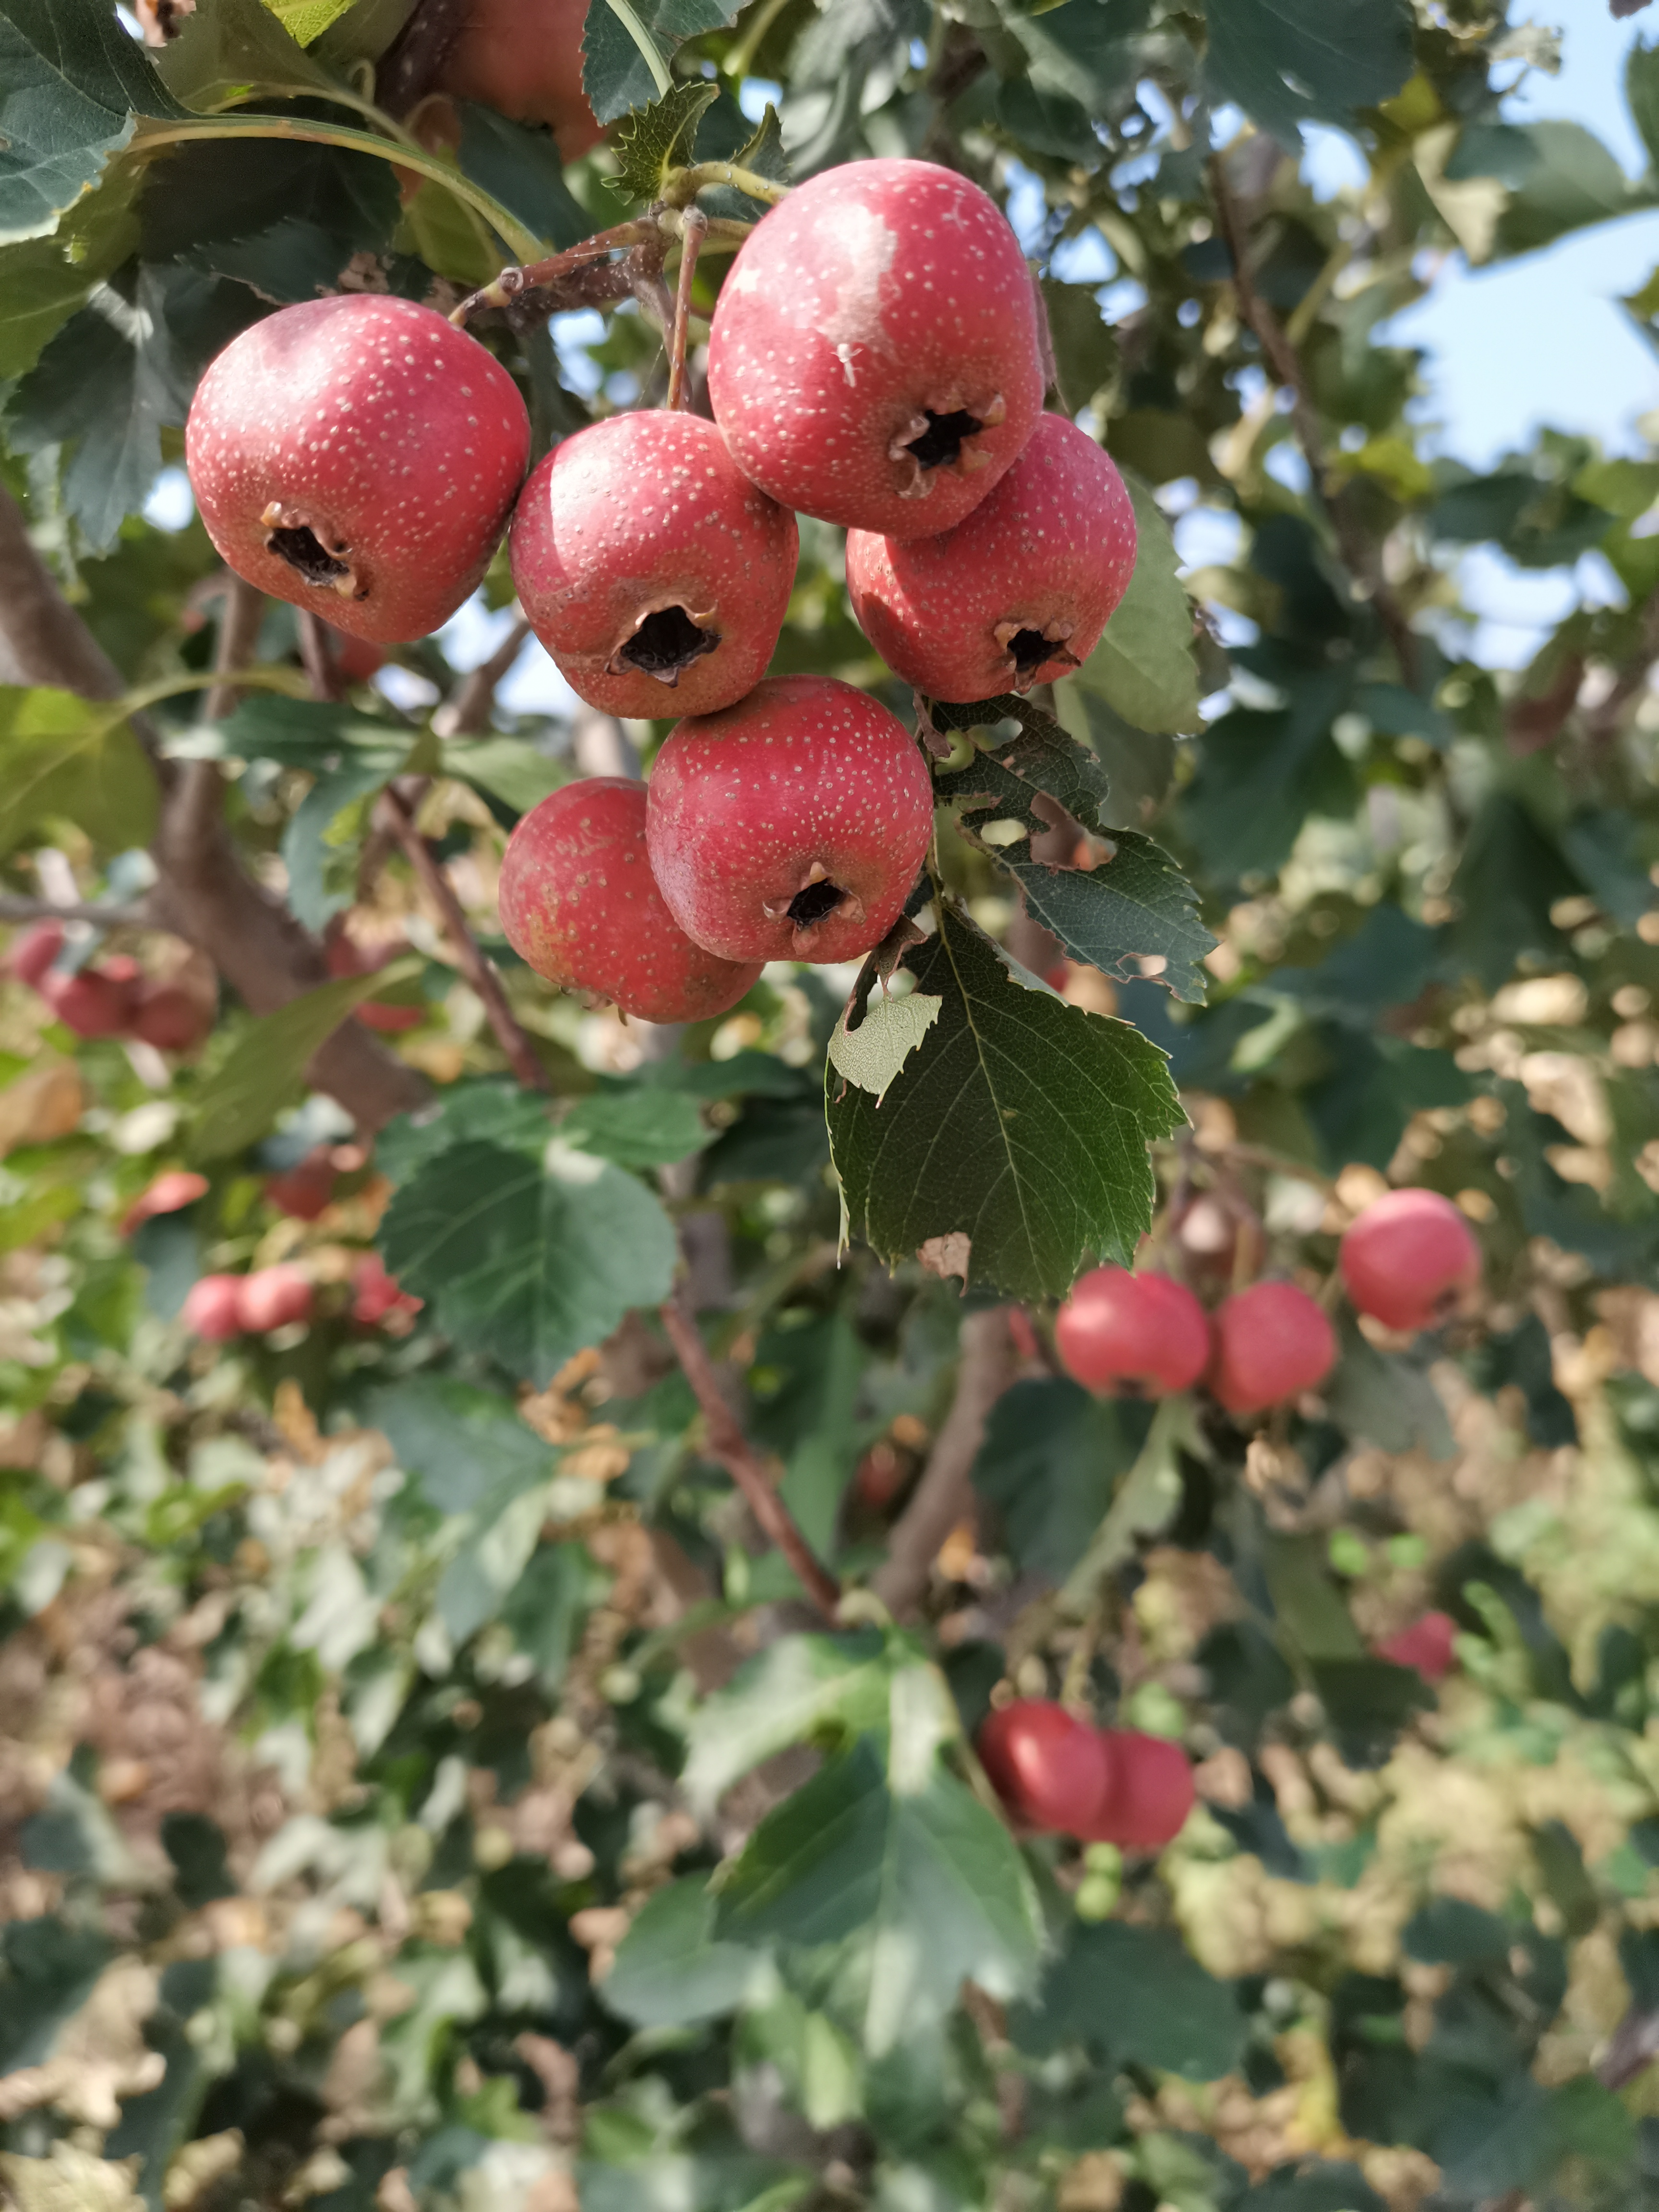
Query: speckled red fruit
95	1003
174	1188
303	1191
791	826
1271	1342
1428	1643
1049	1767
358	456
169	1018
579	901
524	57
1019	592
874	357
272	1298
651	569
377	1297
346	958
1148	1795
213	1308
1406	1258
1139	1334
33	951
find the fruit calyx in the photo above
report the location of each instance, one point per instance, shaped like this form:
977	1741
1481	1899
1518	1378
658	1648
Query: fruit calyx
942	437
812	904
664	642
292	535
1030	650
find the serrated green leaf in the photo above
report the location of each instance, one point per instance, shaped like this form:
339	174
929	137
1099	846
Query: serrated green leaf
638	1128
764	154
238	49
871	1055
617	74
1291	62
521	168
1136	1995
1052	1458
306	20
65	755
508	769
1133	906
528	1261
261	1072
671	1970
652	141
926	1885
1144	665
43	280
1012	1145
321	864
493	1112
793	1690
70	82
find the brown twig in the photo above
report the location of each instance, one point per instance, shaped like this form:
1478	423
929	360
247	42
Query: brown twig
44	910
317	656
467	714
693	229
945	1493
1358	554
727	1443
241	615
510	1035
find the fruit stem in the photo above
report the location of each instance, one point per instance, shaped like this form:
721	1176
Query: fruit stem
511	230
693	229
681	187
726	1442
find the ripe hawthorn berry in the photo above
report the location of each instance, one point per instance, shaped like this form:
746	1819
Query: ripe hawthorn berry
1148	1795
579	903
1428	1643
172	1190
651	569
1143	1336
213	1308
33	953
1048	1766
1272	1341
1019	592
1407	1258
95	1002
358	455
874	357
306	1190
790	827
171	1019
524	58
272	1298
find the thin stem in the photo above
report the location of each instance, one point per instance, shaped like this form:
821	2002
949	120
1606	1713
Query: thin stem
738	61
683	185
479	973
317	656
467	714
693	229
508	227
727	1443
1074	1690
241	615
45	910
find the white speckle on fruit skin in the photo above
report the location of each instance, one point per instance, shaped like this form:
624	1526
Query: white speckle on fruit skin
323	411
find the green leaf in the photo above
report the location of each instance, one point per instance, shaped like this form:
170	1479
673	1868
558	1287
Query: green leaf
764	153
927	1885
70	79
47	1970
263	1069
1387	1400
321	862
1133	906
1144	665
304	733
463	1445
799	1689
1050	123
1291	62
43	280
1139	1997
636	1129
1572	181
652	141
1012	1145
671	1970
508	769
521	168
1052	1458
528	1262
495	1111
1260	774
235	50
1509	877
617	74
65	756
871	1055
1085	346
1092	54
306	20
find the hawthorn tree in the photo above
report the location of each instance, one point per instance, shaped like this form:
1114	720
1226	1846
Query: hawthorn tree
644	1616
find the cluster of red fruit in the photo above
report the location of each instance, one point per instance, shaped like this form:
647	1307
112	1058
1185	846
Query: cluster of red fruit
1059	1774
219	1307
1406	1261
875	360
112	998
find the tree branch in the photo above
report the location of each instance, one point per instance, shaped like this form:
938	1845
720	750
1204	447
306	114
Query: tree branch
467	714
510	1035
1360	555
727	1443
45	910
945	1495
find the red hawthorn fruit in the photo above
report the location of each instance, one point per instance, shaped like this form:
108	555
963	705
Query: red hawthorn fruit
376	1295
357	659
1019	592
1143	1335
1428	1643
882	1474
1406	1260
651	569
579	901
346	957
169	1018
874	357
1272	1341
270	1298
304	1191
524	57
1049	1767
1148	1795
213	1308
98	1002
172	1190
790	827
358	455
33	953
